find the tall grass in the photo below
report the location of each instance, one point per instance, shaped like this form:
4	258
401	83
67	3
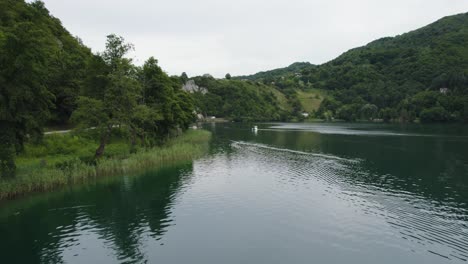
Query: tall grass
61	161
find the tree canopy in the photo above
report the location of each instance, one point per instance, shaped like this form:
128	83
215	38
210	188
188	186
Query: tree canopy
48	76
393	74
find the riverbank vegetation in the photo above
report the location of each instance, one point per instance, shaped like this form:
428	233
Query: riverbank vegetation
48	77
62	160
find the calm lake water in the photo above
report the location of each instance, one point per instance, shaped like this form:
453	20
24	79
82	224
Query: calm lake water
290	193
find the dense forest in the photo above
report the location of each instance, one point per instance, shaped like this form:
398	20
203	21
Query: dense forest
421	75
272	75
47	77
264	96
239	100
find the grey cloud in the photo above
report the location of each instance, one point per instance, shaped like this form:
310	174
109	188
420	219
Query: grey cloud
244	36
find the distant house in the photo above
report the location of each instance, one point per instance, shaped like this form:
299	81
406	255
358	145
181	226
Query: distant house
444	90
306	115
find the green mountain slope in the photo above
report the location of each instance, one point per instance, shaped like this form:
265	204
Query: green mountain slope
239	100
396	77
424	56
270	76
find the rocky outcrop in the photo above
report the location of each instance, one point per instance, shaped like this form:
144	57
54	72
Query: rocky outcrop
191	87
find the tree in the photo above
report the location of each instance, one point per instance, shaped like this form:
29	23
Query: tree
115	105
369	111
116	49
25	53
465	112
228	76
348	112
434	114
144	125
387	114
159	95
184	77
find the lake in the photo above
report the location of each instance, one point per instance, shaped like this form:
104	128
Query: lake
288	193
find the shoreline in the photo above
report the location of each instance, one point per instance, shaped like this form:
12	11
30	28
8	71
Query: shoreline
189	145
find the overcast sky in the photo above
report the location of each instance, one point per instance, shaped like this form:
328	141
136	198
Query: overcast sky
244	36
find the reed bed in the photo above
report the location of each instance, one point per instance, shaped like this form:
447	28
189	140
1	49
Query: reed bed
34	176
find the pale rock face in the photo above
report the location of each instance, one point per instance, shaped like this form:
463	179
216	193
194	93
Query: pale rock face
191	87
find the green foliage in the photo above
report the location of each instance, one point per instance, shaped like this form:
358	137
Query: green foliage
114	106
165	98
91	113
56	145
47	75
411	67
144	123
44	167
368	111
144	102
116	49
184	77
388	114
273	75
51	60
27	52
310	99
434	114
390	73
7	150
349	112
237	100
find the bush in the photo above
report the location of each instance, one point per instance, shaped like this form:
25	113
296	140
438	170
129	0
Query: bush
434	114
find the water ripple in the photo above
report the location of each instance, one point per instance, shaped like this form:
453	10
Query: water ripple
440	227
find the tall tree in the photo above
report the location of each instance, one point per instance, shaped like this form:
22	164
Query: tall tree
184	77
165	99
25	53
113	106
158	94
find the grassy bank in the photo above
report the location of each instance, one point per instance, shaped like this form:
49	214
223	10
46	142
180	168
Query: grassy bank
311	99
62	160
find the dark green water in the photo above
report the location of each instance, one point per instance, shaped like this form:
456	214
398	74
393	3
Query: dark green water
290	193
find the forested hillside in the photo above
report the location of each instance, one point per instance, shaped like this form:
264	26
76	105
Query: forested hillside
264	96
239	100
43	66
48	76
421	74
272	75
